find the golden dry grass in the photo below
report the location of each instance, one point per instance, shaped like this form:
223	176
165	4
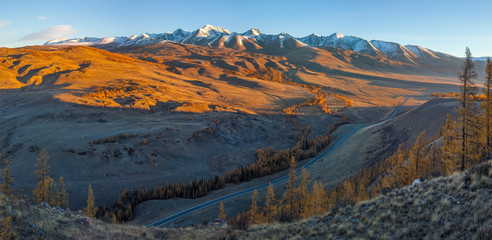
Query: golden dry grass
94	77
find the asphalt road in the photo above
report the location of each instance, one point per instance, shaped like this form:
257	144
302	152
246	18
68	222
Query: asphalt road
277	181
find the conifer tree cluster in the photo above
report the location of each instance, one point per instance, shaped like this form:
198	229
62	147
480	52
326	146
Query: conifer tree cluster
297	202
47	190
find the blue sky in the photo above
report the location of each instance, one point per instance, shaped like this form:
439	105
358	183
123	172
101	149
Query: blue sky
446	26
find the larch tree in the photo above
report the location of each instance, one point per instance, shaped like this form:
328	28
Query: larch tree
487	109
320	202
91	209
222	214
289	198
254	211
270	209
7	180
417	157
450	145
435	160
402	171
43	191
305	208
467	111
61	194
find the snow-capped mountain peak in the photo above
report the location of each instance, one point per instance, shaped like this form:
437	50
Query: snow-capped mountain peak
254	40
338	35
209	30
252	32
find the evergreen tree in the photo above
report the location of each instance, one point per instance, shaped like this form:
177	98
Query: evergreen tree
320	203
305	207
404	177
91	209
270	209
487	109
450	146
436	161
7	181
289	198
43	191
254	216
417	157
469	129
222	214
61	194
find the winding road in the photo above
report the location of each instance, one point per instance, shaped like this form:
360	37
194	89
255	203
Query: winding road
277	181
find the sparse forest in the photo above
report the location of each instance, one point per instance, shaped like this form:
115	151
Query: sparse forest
269	161
460	143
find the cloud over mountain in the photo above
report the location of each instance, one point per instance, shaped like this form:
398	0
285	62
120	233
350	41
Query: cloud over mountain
57	31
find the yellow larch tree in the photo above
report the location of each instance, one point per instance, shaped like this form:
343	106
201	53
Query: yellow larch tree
270	210
222	214
254	211
43	191
91	209
319	200
290	198
61	194
7	180
305	203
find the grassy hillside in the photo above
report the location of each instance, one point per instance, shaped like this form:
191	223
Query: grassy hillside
454	207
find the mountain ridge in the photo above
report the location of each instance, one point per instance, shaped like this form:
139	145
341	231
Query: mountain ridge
255	40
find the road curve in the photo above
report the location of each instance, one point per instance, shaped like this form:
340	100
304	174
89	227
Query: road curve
277	181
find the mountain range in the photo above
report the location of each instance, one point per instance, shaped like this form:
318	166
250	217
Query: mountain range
255	41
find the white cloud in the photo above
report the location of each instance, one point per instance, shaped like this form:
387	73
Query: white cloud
4	23
9	35
42	17
58	31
